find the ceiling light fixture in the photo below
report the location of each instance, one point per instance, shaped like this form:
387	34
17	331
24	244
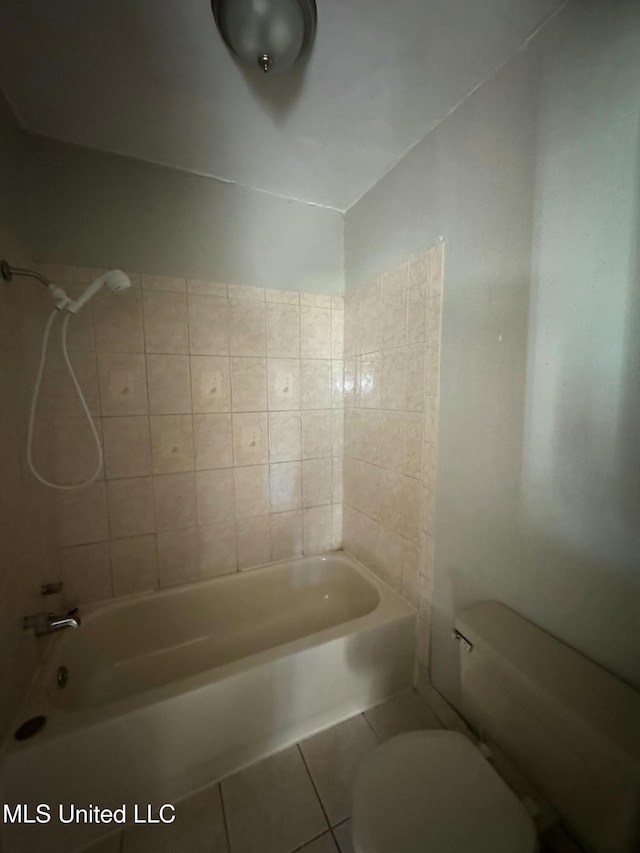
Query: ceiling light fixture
270	33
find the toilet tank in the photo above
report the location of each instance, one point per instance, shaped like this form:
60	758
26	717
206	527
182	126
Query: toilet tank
572	728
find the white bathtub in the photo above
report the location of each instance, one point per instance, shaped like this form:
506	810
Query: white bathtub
171	691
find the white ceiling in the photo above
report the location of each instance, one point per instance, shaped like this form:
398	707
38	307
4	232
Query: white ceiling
152	79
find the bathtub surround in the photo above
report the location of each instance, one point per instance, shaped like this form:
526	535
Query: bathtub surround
222	431
221	413
392	363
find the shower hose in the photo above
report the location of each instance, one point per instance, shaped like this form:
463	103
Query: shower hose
34	406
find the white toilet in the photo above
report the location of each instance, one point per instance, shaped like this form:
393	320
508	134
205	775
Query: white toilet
434	792
568	726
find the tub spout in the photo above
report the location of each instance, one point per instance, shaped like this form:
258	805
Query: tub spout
48	623
57	623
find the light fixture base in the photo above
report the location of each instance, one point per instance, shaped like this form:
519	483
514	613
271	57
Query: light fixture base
276	33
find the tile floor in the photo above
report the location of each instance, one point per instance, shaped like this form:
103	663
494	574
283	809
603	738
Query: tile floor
297	800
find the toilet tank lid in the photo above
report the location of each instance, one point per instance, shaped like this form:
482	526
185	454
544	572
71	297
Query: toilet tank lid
590	697
435	791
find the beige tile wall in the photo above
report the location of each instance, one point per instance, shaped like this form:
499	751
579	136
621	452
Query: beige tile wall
391	377
221	411
28	551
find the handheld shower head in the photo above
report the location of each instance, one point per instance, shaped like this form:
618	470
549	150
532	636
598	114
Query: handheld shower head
115	280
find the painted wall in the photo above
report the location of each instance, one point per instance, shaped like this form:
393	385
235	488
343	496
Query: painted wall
100	210
533	182
14	205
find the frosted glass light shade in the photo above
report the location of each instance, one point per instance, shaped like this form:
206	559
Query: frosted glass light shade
267	34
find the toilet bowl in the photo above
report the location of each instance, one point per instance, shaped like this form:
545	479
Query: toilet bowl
434	792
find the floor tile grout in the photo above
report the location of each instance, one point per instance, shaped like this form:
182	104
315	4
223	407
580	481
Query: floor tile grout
333	833
375	733
224	817
310	841
317	793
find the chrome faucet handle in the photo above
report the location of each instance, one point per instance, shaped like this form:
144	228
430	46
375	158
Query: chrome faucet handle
47	623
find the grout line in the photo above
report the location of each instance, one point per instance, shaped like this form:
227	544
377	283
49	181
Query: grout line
333	829
268	419
311	840
364	714
224	816
317	793
390	470
191	415
390	529
333	835
148	416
